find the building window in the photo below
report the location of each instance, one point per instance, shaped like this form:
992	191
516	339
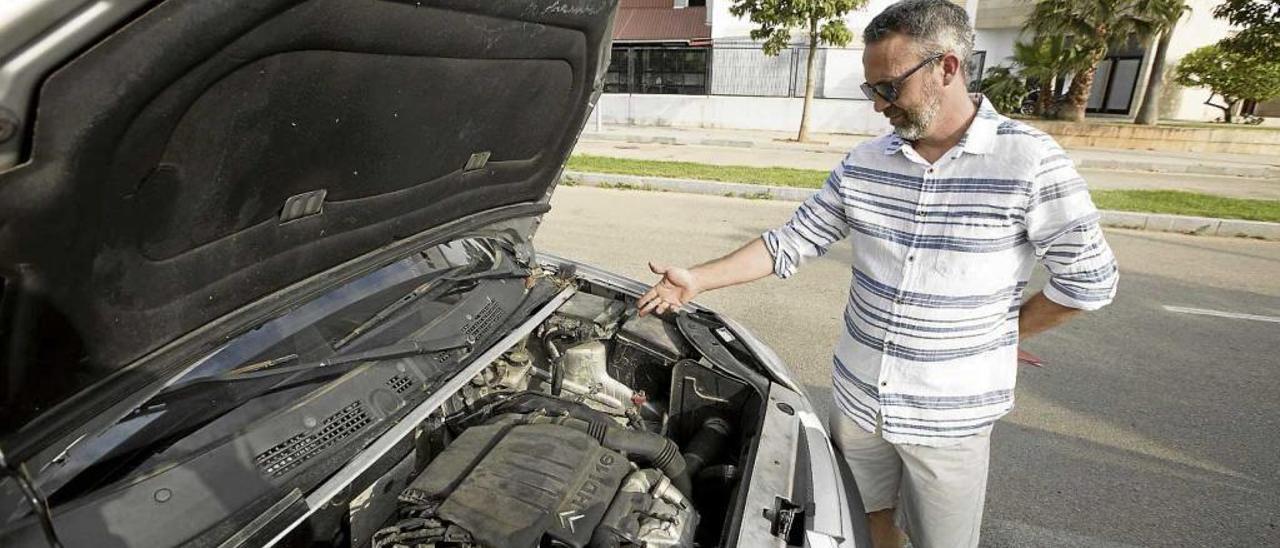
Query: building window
659	70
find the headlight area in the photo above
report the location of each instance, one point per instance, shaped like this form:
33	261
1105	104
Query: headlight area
800	493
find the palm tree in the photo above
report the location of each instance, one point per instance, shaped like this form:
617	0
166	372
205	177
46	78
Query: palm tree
1093	25
1165	15
1043	60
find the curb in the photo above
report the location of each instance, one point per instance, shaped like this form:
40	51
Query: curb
1156	222
1248	172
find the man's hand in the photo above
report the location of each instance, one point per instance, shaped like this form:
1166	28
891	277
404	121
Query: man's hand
677	287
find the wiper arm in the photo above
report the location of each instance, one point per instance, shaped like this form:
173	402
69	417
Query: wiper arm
422	290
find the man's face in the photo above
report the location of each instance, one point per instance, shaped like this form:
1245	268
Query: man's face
919	96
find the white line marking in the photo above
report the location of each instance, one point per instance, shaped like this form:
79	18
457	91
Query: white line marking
1232	315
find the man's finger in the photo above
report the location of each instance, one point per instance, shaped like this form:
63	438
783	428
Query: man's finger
649	306
657	269
648	296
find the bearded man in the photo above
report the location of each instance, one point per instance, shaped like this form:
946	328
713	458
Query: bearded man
947	216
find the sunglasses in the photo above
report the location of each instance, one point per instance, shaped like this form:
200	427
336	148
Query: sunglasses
888	89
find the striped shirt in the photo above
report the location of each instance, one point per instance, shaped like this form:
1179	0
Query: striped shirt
941	257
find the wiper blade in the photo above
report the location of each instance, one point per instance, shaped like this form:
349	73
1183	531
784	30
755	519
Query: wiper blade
427	288
259	376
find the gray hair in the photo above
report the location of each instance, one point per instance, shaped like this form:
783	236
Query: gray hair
936	26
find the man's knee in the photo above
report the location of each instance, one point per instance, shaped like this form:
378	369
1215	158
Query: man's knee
884	531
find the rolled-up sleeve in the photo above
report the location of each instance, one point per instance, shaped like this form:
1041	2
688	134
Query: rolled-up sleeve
819	222
1062	225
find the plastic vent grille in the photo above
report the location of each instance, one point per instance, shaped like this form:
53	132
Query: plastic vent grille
300	448
399	383
484	321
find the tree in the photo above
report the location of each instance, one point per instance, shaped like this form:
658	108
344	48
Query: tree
1260	26
1165	15
1004	89
822	21
1043	60
1233	76
1093	25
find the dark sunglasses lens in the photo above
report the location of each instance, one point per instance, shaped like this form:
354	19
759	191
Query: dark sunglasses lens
869	91
886	90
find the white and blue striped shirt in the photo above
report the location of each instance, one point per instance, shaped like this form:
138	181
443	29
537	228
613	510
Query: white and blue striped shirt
941	257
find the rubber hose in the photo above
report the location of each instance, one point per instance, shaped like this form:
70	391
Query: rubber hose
557	369
721	473
707	443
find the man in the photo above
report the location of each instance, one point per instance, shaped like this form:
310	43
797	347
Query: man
947	216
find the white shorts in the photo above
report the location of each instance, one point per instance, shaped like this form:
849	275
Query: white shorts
938	492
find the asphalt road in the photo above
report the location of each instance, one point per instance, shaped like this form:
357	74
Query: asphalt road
1148	427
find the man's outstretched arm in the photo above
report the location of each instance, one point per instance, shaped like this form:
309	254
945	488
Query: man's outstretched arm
680	285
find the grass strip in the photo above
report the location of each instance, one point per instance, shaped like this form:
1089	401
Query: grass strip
1174	202
1178	202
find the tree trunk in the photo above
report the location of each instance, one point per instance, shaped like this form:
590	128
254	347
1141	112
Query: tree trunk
1045	102
1149	114
808	81
1078	93
1229	113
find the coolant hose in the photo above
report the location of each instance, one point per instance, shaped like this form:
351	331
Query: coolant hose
553	353
723	474
706	444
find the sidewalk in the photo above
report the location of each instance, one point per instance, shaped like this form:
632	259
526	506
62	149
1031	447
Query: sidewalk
1208	164
1159	222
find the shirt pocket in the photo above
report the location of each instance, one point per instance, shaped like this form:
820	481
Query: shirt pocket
975	244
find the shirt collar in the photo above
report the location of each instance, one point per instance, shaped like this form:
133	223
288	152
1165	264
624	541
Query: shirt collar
978	139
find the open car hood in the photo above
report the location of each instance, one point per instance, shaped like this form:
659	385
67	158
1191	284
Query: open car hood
205	154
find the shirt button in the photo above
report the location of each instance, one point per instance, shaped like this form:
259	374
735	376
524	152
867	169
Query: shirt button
920	214
930	170
884	383
911	258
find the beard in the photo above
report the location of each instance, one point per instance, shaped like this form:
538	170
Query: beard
916	122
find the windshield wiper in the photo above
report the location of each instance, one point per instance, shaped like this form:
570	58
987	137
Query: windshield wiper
430	287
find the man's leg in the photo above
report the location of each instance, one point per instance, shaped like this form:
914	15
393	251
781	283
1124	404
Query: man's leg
877	469
943	492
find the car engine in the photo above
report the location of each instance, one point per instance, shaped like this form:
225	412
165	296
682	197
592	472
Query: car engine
523	479
591	433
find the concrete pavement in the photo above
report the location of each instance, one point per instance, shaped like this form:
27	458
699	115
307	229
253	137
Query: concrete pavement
1150	426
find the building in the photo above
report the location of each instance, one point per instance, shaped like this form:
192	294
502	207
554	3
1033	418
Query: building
692	63
1120	82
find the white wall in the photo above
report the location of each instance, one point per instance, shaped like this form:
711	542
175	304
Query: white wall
764	113
1193	32
842	74
998	43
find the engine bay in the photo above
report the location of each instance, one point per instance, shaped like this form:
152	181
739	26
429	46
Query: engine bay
599	429
510	412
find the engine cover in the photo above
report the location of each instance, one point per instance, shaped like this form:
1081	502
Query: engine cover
510	485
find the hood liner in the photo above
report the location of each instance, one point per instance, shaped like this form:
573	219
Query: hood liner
157	197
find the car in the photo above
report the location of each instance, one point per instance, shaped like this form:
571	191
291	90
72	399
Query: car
269	279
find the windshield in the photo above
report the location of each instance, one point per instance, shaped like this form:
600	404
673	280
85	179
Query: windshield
379	309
